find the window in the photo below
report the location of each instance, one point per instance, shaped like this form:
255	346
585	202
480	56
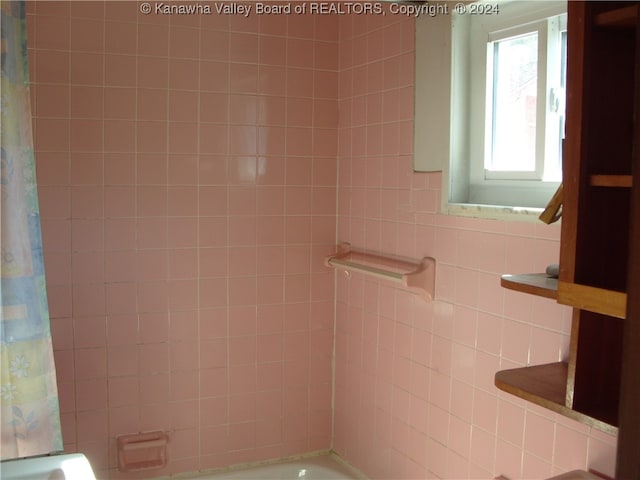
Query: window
506	118
517	114
525	113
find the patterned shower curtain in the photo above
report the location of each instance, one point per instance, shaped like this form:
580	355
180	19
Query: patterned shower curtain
29	415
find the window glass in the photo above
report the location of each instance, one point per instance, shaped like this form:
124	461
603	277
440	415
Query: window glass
513	106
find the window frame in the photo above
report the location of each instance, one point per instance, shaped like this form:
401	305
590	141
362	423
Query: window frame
443	112
508	188
549	31
479	170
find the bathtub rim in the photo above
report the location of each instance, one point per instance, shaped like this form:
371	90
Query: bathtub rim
315	455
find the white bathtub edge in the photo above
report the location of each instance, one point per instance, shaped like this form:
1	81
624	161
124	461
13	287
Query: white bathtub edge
263	463
357	473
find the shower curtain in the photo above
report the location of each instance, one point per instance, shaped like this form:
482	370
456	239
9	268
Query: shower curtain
29	415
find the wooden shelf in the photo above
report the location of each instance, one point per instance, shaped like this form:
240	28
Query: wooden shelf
620	17
546	385
539	284
593	299
616	181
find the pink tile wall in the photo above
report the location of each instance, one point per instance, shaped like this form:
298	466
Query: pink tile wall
187	171
414	393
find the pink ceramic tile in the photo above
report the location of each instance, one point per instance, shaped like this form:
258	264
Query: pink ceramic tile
153	72
86	10
153	296
120	70
120	37
601	455
184	385
546	347
183	232
151	137
90	363
242	201
214	292
86	235
515	341
212	231
151	104
539	435
122	361
85	68
571	448
119	169
214	107
242	291
214	76
124	391
323	200
486	367
183	263
52	101
271	141
123	420
88	300
183	74
300	82
270	260
91	394
324	144
120	266
183	138
121	298
213	262
153	39
242	261
299	112
119	201
154	389
54	66
155	358
242	350
184	42
243	78
152	265
213	139
122	329
86	35
485	410
511	422
92	426
534	467
153	327
183	106
183	295
244	47
508	459
53	134
183	356
88	267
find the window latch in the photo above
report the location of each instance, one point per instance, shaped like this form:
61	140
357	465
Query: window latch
556	99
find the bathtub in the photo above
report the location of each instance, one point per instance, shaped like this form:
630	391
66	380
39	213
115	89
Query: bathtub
326	467
71	466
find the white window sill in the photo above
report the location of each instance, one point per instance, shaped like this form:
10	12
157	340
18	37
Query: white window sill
493	212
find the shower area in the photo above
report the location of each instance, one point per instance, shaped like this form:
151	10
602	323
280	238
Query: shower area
194	171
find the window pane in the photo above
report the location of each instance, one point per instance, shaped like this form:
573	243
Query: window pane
515	84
